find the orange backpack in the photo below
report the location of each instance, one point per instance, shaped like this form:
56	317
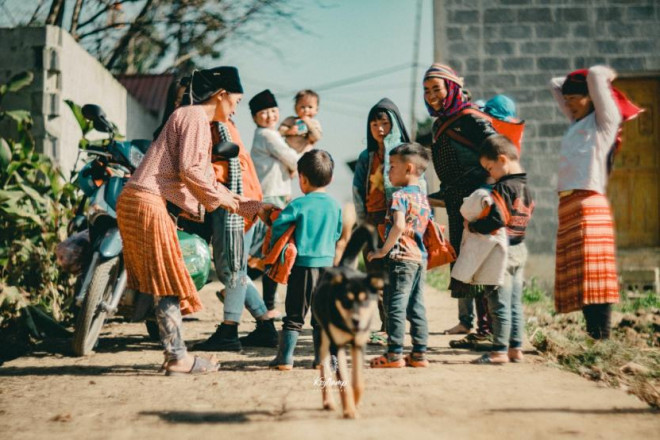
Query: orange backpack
512	130
279	259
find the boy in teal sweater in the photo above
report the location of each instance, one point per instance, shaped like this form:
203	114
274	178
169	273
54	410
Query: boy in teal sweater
317	217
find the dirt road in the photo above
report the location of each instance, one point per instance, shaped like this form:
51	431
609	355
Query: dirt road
116	393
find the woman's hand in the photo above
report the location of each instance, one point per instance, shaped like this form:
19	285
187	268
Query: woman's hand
264	213
378	253
229	201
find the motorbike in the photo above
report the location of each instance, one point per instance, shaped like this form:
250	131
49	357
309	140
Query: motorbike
102	291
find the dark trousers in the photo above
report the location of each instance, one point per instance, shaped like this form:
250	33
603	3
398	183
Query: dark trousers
299	294
599	320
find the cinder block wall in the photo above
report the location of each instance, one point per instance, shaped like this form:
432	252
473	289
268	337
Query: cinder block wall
64	70
516	46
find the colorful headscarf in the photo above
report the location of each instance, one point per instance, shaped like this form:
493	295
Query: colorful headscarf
457	99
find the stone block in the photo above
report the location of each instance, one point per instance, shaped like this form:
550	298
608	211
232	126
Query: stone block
491	65
641	13
499	15
514	2
535	48
473	64
581	30
584	62
464	16
491	32
623	30
517	63
642	46
535	15
610	47
463	48
456	63
571	14
555	30
500	48
472	33
454	33
502	81
516	32
534	80
570	47
627	64
552	63
472	80
537	112
552	129
640	278
609	14
521	96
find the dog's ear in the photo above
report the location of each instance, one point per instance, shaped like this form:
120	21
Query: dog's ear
336	277
375	283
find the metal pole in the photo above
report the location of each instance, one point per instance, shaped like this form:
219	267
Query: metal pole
414	80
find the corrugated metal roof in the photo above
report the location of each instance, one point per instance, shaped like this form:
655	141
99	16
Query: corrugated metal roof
149	90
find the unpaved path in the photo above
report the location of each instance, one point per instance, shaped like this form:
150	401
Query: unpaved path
116	393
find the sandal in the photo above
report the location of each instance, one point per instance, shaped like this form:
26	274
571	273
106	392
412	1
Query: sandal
200	366
377	338
487	360
388	360
416	360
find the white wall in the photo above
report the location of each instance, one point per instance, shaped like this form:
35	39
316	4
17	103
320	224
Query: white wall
64	70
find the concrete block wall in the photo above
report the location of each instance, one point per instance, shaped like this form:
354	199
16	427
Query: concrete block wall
516	46
64	70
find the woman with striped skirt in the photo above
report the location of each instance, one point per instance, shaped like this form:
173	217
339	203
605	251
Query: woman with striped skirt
177	169
585	271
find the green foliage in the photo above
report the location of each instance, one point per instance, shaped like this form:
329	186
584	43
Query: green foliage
36	204
639	301
438	278
534	293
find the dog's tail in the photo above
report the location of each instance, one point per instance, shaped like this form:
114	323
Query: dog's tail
364	235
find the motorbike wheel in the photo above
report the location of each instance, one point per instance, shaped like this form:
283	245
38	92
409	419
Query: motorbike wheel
91	317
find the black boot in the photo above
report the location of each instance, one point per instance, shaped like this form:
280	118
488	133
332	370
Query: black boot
225	338
264	335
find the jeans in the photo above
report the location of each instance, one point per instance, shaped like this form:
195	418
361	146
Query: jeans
404	299
505	302
243	293
170	327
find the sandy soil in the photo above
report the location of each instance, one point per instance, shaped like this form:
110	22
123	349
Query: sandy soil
117	393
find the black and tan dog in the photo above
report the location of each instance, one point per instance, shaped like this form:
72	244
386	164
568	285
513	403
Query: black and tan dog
343	306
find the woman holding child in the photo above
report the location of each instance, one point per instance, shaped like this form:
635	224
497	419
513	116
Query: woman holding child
585	271
456	138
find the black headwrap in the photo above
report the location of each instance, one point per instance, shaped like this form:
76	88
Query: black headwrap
206	83
575	83
261	101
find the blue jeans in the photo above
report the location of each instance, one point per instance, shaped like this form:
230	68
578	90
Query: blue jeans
243	292
404	299
505	302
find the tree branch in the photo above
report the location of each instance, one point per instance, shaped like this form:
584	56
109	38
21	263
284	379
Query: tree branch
134	30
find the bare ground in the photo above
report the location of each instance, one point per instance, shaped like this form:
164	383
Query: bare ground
117	393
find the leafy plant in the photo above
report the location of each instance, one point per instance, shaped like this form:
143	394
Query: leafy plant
36	203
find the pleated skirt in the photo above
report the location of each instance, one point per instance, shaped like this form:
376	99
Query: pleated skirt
152	254
585	270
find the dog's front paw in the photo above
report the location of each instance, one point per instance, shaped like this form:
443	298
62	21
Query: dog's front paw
329	405
351	414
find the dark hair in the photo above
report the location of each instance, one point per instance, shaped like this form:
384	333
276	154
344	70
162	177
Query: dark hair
414	153
494	146
317	166
379	114
307	92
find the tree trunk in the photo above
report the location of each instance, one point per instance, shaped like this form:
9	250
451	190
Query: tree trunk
73	30
54	13
133	31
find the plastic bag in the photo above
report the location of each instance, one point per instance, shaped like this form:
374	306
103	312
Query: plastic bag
72	253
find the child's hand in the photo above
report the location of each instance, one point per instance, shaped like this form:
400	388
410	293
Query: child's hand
292	131
466	224
378	253
264	213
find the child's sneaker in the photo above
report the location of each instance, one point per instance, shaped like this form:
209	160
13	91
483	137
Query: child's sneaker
388	360
417	360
